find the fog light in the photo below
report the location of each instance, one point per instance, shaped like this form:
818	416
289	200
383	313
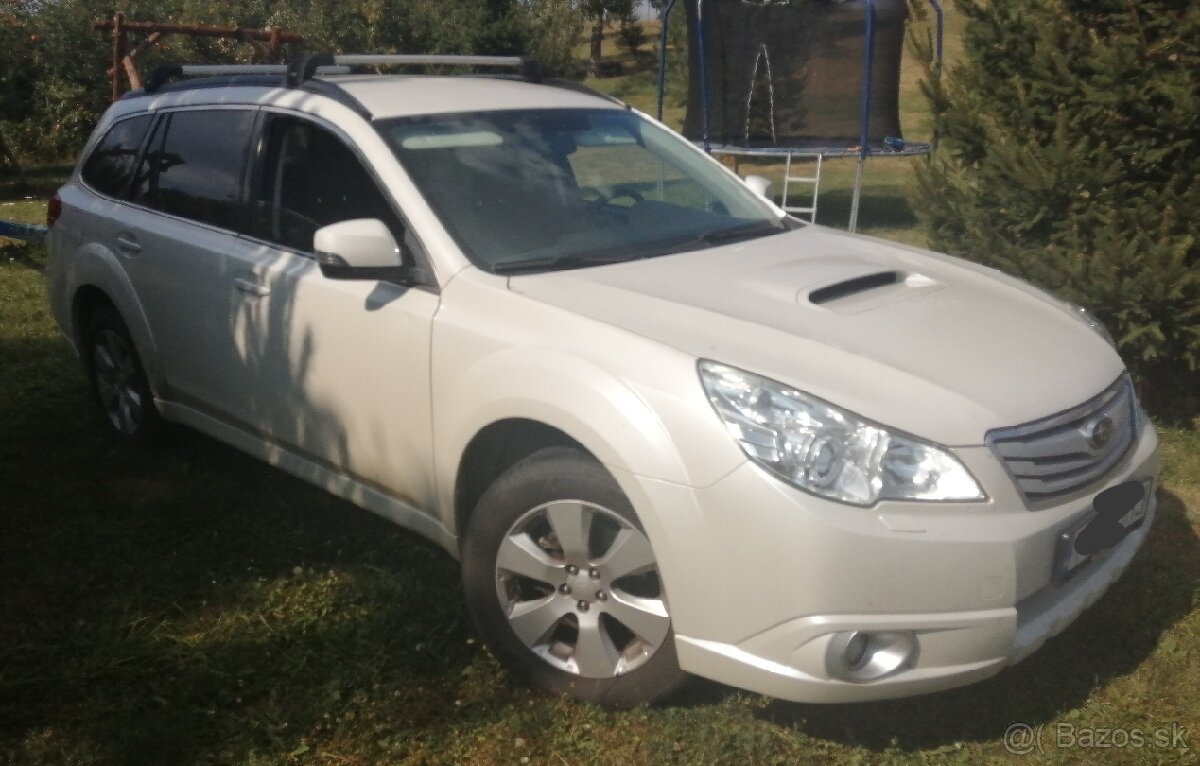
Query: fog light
855	654
859	656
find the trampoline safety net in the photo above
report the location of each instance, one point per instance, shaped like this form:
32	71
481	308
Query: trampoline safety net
789	73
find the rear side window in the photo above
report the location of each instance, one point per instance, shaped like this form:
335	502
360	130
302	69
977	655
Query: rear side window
110	165
194	165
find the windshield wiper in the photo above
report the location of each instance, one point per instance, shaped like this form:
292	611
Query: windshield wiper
623	253
744	231
557	262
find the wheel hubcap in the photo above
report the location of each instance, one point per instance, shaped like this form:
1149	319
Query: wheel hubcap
580	587
116	373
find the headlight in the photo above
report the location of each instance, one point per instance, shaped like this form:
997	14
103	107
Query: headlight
826	450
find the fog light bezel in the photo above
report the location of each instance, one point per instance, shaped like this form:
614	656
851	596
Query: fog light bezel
879	654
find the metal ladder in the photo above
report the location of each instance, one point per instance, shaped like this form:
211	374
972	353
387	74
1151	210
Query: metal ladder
814	179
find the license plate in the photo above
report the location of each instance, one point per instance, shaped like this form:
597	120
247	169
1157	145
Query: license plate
1068	556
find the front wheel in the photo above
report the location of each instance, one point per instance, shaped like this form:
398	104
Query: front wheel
563	585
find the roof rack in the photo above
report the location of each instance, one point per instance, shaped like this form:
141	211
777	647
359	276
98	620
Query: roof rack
165	73
305	67
300	73
308	66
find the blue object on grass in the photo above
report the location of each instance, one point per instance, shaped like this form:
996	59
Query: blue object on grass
30	232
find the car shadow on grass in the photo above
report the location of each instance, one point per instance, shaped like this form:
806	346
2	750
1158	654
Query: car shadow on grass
189	604
1112	639
30	255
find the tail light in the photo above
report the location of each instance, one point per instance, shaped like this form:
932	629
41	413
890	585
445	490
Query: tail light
53	210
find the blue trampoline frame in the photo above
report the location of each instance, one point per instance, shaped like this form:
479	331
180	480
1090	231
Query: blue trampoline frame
862	151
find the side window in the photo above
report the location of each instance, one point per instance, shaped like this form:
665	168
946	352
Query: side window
110	165
311	179
194	164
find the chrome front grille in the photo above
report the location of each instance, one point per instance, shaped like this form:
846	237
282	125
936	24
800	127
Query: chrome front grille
1063	454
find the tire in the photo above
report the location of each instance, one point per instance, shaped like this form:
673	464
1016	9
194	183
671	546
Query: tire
585	616
117	379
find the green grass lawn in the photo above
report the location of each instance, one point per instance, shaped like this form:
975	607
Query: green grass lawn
190	605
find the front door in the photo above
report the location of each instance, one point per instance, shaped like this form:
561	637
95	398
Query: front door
341	368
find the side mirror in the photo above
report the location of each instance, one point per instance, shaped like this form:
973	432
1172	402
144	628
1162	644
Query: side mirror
363	248
760	186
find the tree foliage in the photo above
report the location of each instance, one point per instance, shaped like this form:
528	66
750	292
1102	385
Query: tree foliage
555	28
599	12
53	85
1069	155
630	33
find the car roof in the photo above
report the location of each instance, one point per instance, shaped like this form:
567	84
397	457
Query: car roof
401	96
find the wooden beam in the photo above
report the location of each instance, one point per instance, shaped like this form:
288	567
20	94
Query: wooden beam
138	50
274	48
118	52
199	30
131	71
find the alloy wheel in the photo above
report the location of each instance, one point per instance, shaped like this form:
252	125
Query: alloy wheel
579	586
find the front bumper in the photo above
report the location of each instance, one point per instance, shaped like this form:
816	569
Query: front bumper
762	578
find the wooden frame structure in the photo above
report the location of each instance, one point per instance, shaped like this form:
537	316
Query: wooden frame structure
124	59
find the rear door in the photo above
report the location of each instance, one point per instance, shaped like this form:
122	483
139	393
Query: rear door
185	257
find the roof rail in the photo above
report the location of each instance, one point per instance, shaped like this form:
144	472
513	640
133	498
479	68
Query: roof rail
167	72
301	72
306	67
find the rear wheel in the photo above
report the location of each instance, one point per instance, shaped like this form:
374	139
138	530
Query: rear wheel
118	380
563	584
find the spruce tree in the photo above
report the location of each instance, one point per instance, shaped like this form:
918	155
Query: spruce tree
1069	151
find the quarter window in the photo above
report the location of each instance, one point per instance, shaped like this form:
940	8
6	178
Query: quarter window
110	166
194	164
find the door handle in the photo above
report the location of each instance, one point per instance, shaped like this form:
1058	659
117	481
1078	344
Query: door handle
250	287
127	244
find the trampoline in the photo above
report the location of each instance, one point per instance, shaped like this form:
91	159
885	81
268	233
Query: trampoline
796	79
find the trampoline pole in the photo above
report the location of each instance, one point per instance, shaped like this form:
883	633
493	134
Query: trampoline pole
664	19
703	73
865	116
937	9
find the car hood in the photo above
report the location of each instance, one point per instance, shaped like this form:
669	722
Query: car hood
932	345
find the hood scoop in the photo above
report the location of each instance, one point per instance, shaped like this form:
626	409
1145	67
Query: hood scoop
854	286
860	292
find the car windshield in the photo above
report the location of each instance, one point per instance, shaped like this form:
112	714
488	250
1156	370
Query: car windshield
536	190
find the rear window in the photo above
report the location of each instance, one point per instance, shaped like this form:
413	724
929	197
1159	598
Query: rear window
111	164
194	165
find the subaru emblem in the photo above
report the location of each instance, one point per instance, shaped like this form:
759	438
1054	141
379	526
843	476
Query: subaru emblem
1100	432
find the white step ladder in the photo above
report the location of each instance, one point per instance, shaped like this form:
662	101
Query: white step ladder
814	179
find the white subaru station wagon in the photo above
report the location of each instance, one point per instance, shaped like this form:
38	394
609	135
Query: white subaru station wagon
667	429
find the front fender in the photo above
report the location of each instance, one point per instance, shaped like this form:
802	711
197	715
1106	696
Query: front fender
568	392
